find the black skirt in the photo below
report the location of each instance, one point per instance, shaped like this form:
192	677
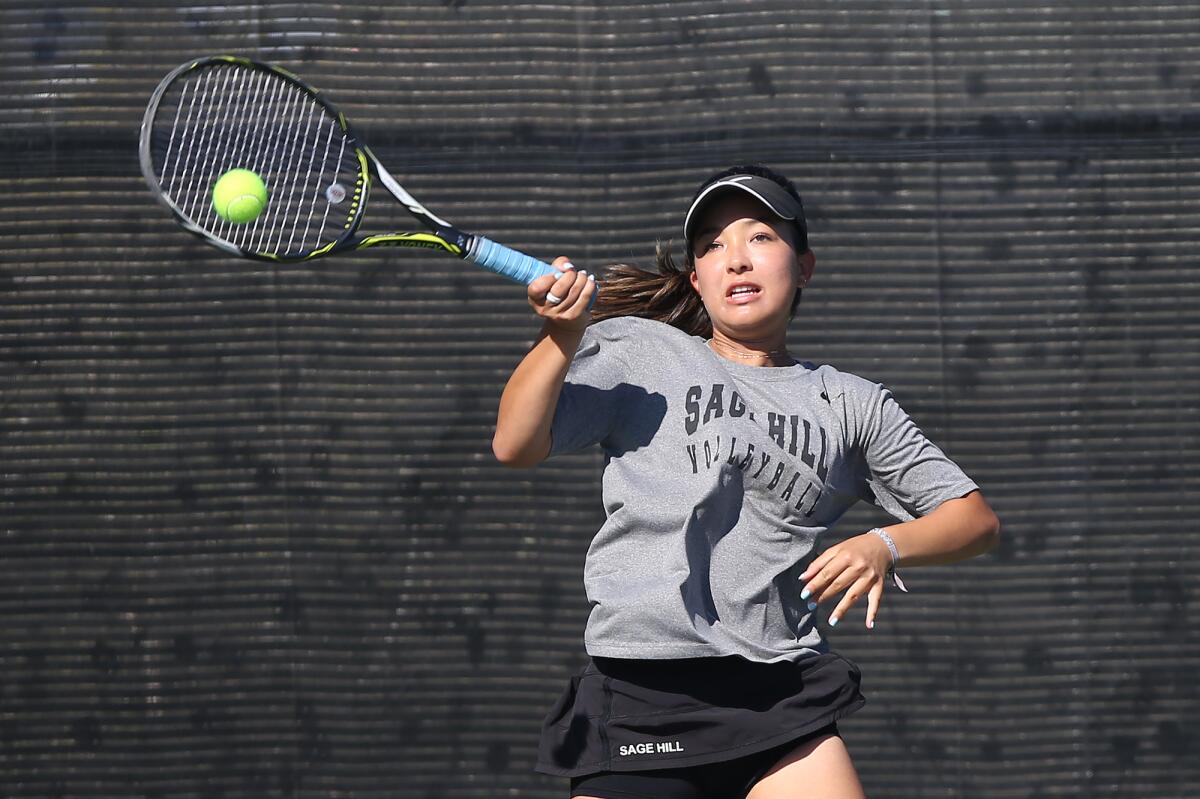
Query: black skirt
636	715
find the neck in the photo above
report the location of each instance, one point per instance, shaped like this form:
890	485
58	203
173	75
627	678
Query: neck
755	353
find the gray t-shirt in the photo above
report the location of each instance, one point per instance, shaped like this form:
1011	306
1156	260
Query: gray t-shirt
719	478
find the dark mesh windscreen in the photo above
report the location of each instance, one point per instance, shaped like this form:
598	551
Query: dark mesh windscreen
253	542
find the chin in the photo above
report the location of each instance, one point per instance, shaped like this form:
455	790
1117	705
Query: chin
741	320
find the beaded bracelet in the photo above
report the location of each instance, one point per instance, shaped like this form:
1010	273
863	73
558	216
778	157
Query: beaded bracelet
891	545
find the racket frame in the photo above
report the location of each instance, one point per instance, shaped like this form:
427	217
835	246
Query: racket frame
441	236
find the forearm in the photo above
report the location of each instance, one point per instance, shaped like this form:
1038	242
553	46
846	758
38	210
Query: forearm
956	530
527	404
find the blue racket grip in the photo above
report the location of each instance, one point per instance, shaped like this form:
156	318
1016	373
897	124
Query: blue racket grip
510	263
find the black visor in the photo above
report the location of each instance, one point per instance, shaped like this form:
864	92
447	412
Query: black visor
765	190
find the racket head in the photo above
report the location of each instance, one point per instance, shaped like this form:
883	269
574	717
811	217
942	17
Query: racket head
218	113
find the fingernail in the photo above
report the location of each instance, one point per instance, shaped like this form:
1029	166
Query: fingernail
568	265
583	272
805	594
812	605
592	277
833	620
871	624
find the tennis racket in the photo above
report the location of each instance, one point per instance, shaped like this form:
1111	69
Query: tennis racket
215	114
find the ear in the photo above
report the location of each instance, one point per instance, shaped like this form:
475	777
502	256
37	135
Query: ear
695	281
808	264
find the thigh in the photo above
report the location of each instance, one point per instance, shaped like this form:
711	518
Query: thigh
820	766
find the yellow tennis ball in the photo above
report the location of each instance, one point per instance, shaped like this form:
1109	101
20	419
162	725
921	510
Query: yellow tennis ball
239	196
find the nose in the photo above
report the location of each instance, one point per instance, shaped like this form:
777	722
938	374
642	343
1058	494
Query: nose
737	259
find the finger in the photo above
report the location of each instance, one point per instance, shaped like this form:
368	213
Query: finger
845	574
842	582
566	279
837	574
544	289
817	564
874	596
562	263
563	293
582	281
571	309
539	286
589	291
855	593
810	577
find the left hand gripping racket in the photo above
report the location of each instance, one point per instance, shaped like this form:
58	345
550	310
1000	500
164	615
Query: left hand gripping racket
215	114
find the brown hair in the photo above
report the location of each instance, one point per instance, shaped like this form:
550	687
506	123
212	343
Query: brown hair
666	295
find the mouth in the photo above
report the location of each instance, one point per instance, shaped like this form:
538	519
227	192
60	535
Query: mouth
741	293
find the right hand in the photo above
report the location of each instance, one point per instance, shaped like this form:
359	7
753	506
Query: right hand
574	288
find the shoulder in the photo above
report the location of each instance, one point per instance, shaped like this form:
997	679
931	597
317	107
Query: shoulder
629	343
636	345
636	325
635	328
845	385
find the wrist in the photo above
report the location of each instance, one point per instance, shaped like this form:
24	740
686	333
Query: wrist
565	333
894	555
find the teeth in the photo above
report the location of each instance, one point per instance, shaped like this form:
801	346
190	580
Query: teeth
745	290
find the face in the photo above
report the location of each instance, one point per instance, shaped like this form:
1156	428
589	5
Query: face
747	268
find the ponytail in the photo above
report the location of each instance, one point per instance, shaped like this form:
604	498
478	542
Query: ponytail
665	295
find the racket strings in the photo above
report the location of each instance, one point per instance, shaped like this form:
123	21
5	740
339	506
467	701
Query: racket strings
249	102
285	108
258	154
210	149
187	138
295	174
309	181
229	116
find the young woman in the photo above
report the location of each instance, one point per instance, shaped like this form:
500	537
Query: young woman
726	459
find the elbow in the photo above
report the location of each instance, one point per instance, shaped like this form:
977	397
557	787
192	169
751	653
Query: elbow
504	453
979	518
991	532
511	456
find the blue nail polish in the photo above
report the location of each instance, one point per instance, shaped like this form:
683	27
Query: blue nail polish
812	605
804	594
833	620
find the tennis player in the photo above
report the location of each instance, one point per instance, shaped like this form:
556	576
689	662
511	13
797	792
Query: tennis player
726	458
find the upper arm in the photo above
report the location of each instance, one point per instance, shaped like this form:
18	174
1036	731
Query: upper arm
910	475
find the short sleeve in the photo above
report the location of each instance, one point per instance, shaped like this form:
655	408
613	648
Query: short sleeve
909	475
588	404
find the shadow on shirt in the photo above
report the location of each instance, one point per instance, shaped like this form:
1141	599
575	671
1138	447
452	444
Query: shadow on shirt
711	520
626	418
622	419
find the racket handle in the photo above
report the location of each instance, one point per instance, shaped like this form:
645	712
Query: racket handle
506	261
511	263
